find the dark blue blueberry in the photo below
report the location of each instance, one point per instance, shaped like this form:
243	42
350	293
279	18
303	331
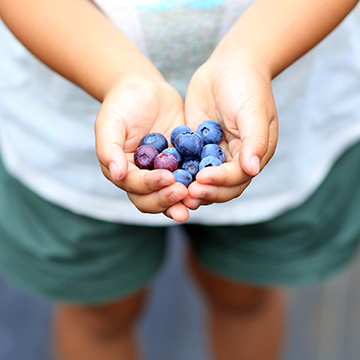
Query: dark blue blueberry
188	144
144	156
210	131
213	150
157	140
166	160
209	161
192	166
193	157
173	151
179	129
183	177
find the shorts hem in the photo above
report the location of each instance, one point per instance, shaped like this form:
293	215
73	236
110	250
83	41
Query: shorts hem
283	277
84	294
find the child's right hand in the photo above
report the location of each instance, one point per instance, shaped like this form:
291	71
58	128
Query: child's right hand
85	47
133	108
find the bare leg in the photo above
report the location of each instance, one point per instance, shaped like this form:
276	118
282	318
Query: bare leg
245	322
98	333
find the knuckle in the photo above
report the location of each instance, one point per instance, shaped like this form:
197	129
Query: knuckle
148	188
261	144
141	208
103	155
164	203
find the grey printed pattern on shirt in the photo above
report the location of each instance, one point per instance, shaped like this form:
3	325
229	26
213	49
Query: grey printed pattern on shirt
178	41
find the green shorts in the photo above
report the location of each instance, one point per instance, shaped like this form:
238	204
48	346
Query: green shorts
63	256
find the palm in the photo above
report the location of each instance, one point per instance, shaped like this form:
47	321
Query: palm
234	97
139	109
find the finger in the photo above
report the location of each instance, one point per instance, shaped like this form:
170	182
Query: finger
196	107
273	137
218	194
142	182
177	212
191	203
254	129
227	174
159	201
110	135
194	204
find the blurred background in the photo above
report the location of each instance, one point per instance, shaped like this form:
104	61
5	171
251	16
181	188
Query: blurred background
323	320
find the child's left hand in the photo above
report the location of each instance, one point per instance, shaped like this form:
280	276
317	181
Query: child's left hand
234	90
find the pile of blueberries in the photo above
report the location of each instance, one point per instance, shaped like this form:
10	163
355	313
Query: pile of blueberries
192	151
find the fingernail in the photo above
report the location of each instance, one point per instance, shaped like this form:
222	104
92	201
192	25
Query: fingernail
175	197
255	164
206	181
164	182
196	205
200	196
113	171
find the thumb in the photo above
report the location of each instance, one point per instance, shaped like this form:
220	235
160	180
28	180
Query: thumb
258	134
110	136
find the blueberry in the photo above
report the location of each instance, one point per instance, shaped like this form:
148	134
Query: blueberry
188	143
213	150
157	140
173	151
209	161
166	161
192	166
210	131
179	129
183	177
192	157
144	156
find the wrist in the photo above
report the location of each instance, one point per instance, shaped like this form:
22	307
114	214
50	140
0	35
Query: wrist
141	71
238	58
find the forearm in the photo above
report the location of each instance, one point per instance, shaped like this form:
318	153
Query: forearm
281	31
76	40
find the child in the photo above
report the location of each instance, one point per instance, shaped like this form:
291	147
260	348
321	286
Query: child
70	235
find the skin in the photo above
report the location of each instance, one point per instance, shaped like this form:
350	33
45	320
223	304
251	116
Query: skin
244	322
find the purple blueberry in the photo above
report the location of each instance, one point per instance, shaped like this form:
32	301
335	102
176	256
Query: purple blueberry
210	131
173	151
209	161
166	161
183	177
188	143
157	140
179	129
213	150
192	166
144	156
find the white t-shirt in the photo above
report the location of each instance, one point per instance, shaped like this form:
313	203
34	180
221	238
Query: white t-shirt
47	137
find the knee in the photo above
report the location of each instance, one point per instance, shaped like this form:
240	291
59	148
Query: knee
230	297
239	300
104	321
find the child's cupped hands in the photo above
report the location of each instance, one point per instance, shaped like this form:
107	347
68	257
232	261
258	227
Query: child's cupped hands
235	90
133	108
